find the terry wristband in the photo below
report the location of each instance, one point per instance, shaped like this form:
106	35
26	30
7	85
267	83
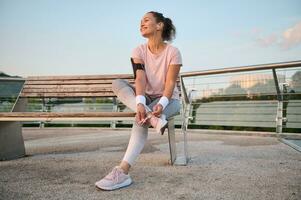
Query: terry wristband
163	101
140	99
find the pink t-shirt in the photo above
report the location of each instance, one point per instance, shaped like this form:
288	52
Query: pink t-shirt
156	67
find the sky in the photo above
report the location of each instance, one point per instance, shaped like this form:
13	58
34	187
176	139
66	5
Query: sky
89	37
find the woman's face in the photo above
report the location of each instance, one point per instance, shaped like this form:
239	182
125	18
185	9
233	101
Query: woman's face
149	26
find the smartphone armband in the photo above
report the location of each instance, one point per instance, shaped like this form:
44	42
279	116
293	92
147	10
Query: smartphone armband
137	66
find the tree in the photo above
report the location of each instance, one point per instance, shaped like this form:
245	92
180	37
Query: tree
296	82
235	89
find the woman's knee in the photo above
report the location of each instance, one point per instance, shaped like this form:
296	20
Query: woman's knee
118	84
173	108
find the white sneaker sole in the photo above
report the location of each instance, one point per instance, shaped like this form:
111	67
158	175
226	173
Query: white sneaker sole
125	183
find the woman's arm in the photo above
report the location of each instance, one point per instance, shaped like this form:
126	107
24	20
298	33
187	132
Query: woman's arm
140	83
140	80
171	79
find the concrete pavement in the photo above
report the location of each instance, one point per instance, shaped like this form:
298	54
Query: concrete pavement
64	163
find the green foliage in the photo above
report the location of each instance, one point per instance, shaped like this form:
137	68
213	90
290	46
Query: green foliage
97	100
296	82
104	100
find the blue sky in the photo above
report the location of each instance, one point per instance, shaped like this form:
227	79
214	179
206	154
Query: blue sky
64	37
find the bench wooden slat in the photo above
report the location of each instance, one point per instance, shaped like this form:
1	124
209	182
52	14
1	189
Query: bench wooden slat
75	82
65	114
67	90
53	95
26	86
62	119
82	77
69	82
59	116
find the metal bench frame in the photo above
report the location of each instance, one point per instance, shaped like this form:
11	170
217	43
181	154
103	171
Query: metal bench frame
11	139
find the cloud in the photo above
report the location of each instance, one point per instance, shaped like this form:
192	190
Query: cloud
256	31
291	37
267	41
286	40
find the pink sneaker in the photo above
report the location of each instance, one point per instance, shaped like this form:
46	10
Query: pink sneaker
159	123
114	180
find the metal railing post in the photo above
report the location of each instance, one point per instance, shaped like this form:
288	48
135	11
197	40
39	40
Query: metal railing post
185	120
280	119
115	109
279	113
42	124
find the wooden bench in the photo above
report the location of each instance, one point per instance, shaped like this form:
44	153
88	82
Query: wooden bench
45	87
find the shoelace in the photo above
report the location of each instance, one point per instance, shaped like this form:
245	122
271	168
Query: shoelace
114	175
145	119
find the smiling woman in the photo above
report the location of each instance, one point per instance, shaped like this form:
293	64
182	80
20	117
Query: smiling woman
151	19
155	97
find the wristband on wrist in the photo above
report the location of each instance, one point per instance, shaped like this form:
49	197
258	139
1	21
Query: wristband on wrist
140	99
163	101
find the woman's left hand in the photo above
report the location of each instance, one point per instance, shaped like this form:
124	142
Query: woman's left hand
157	110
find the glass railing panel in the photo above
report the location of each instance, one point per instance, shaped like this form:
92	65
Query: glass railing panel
9	91
245	99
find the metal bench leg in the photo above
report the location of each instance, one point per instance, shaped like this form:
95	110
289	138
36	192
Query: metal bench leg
174	159
172	140
115	109
11	141
183	159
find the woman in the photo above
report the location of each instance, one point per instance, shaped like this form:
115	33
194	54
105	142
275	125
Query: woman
155	98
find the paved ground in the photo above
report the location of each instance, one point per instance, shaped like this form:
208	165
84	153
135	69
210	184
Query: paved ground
65	163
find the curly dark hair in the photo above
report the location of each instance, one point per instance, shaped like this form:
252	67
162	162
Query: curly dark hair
169	30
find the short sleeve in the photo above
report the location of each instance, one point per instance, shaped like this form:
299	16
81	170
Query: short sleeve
137	53
176	58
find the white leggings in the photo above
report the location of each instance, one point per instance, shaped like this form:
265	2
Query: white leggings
126	94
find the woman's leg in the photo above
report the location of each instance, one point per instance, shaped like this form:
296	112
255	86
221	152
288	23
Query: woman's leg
137	141
126	94
139	134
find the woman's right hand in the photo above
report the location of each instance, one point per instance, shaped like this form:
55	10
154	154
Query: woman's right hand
141	113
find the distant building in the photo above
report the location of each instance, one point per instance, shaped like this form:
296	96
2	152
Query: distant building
208	92
247	81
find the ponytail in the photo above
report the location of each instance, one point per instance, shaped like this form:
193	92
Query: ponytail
169	30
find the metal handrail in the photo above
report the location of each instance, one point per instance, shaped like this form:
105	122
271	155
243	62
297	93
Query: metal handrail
280	87
243	68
